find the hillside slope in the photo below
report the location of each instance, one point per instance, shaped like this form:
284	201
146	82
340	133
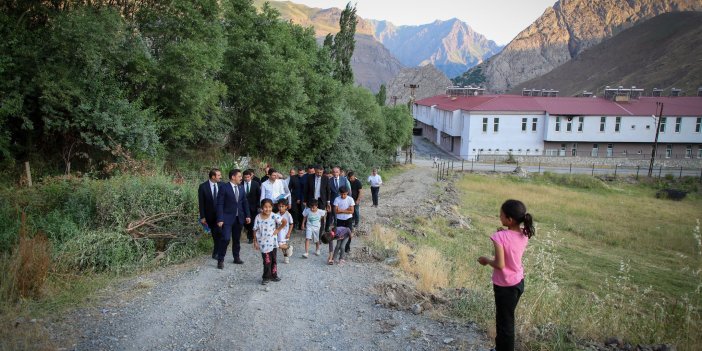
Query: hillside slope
452	45
663	52
562	33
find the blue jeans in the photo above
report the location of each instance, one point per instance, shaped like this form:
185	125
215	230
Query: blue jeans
356	214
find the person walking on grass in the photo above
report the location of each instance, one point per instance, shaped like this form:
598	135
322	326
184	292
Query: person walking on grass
508	272
284	235
267	225
375	182
312	225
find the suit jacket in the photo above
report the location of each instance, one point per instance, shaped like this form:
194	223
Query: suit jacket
295	188
253	196
323	190
334	191
228	208
207	204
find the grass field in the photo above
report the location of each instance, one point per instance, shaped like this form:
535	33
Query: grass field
608	259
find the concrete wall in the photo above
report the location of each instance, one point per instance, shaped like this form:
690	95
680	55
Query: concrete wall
632	129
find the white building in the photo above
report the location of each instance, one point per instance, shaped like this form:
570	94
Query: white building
467	126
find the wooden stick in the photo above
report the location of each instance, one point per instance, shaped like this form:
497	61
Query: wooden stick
29	174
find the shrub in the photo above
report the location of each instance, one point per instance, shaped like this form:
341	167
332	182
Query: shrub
29	264
104	251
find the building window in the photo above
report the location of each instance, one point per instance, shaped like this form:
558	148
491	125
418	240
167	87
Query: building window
581	122
569	124
533	124
699	151
688	151
558	124
662	130
574	150
485	123
603	121
496	125
617	124
595	150
668	150
524	124
678	122
610	150
698	125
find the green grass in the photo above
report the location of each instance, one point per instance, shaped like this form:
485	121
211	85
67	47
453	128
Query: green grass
608	259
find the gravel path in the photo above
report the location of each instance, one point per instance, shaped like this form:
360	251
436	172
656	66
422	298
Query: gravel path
195	306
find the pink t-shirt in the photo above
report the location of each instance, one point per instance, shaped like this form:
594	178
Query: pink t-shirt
514	244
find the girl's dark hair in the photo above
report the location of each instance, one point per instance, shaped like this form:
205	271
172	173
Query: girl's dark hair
516	210
266	201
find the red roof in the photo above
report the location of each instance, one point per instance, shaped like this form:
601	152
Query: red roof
579	106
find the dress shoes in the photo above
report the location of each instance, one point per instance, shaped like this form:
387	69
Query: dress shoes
214	256
238	261
220	264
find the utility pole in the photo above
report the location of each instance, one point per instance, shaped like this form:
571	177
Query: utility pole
394	99
659	110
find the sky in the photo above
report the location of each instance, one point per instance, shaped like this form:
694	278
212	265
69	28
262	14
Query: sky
498	20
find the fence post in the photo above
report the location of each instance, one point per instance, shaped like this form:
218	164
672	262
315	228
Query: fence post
660	170
570	169
447	170
616	166
494	165
593	169
539	167
29	173
471	168
680	172
637	172
462	165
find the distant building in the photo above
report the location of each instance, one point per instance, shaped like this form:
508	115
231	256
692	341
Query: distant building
468	126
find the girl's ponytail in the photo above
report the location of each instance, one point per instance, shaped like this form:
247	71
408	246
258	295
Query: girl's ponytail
528	225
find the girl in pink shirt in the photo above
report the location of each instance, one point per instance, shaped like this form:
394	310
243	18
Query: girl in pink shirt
508	273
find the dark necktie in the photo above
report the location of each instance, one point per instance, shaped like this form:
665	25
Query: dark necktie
336	180
247	188
236	193
215	192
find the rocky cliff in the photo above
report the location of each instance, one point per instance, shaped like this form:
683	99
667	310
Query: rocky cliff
372	63
663	52
563	32
431	82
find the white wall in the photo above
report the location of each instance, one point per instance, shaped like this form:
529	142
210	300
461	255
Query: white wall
509	135
638	134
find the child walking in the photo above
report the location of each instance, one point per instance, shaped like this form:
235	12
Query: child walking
311	224
284	235
266	227
508	273
343	208
342	235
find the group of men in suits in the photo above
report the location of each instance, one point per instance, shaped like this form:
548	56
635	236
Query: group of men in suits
229	207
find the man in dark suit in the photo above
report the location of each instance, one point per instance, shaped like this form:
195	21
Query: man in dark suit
207	202
232	214
253	175
295	196
336	182
253	193
317	188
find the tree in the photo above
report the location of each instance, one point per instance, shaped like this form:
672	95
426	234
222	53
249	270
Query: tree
344	44
381	96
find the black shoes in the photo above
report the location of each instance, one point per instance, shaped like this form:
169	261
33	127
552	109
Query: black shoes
214	256
264	282
220	264
238	261
276	279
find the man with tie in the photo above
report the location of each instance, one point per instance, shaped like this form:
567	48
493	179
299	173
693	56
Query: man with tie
207	202
293	184
232	214
317	188
337	182
253	192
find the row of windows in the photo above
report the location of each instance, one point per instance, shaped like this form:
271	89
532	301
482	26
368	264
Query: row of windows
618	124
496	124
610	150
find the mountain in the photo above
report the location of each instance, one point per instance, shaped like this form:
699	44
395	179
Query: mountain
372	63
561	33
452	46
430	80
663	52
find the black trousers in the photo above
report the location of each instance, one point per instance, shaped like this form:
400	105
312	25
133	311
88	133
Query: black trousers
374	194
506	299
270	264
249	230
348	223
234	231
216	236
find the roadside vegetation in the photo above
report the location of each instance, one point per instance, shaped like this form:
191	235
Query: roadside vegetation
609	259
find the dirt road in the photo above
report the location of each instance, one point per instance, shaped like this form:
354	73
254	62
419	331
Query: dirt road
195	306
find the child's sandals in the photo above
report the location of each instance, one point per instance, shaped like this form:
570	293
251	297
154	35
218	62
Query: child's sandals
330	262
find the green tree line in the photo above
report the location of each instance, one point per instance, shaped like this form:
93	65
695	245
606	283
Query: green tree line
78	78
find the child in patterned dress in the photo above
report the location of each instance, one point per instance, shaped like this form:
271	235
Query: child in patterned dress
266	227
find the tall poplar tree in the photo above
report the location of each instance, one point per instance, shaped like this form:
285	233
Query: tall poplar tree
344	44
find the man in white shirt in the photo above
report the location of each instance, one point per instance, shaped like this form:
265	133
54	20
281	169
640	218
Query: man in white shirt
273	188
375	182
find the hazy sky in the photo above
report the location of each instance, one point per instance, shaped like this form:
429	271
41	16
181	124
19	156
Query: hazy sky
498	20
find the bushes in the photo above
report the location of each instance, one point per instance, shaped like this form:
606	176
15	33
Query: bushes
101	250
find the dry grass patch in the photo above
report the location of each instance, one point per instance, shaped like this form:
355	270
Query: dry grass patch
430	269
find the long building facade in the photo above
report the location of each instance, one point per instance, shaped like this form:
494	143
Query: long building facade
470	126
